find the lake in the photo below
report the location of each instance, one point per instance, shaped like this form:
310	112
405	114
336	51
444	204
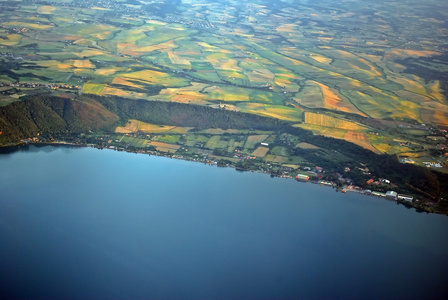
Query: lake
80	223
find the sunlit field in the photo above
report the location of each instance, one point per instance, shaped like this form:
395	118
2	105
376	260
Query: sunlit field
327	70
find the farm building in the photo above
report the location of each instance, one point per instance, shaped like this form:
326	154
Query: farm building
405	198
391	195
302	177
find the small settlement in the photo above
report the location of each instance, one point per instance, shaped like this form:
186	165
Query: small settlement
245	151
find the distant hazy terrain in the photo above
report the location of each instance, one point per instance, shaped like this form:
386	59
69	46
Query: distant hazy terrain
369	72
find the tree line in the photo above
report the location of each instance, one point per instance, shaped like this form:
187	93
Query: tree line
49	115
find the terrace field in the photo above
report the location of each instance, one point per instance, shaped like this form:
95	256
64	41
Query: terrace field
329	67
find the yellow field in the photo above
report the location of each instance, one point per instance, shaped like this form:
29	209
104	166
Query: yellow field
418	98
137	50
38	19
27	25
156	77
434	112
260	75
333	101
131	127
260	152
304	145
407	109
88	53
122	81
11	40
409	84
122	93
330	98
384	148
82	64
231	74
164	147
93	88
188	94
441	118
100	8
187	97
325	39
373	70
277	159
152	128
413	154
320	58
207	46
227	94
282	113
404	53
99	31
291	28
177	60
229	64
360	139
336	133
327	121
46	9
105	72
273	111
55	64
134	126
436	92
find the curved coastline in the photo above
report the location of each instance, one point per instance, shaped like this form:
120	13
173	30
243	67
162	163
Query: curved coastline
344	189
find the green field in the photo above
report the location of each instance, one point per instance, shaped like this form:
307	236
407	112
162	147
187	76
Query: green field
216	55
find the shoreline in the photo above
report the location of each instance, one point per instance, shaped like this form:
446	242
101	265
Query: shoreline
344	189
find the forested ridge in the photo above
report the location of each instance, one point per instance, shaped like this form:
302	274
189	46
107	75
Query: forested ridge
48	115
52	115
179	114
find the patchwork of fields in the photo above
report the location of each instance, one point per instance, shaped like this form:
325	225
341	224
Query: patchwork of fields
242	144
329	67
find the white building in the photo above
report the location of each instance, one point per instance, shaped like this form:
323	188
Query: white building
391	195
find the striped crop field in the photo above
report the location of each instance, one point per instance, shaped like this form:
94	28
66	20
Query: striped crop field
156	77
164	145
332	100
360	139
260	151
327	121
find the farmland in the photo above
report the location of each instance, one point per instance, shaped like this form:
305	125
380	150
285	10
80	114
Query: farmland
336	69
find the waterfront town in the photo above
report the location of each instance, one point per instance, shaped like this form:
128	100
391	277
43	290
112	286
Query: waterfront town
341	182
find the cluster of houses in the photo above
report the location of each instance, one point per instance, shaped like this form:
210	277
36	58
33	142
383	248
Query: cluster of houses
53	86
391	195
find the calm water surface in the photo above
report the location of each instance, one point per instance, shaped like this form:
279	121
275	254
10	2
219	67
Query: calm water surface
87	223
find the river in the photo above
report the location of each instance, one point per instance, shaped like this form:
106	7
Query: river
79	223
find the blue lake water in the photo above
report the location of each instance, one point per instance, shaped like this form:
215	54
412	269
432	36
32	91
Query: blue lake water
80	223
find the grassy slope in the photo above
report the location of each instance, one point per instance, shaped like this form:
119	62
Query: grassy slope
52	115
